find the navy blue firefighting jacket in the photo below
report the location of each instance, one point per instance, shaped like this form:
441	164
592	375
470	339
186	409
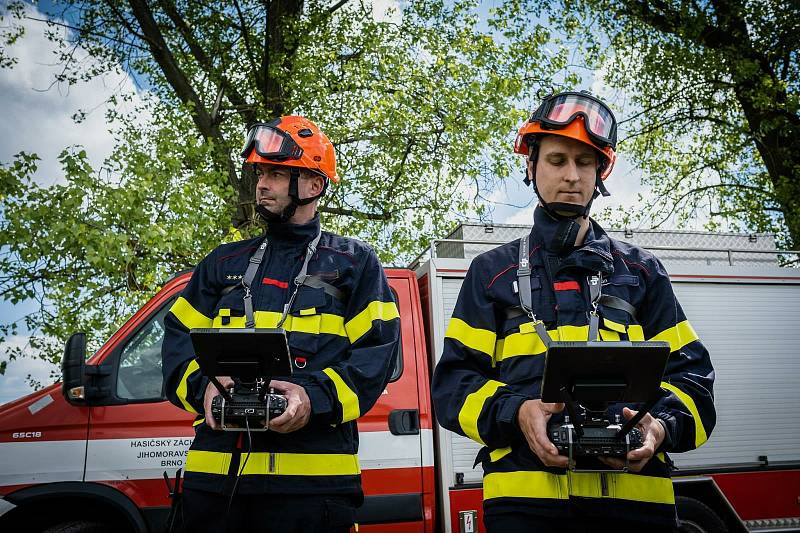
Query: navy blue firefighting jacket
493	361
341	346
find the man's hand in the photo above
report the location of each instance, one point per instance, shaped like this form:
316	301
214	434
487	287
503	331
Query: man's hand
653	434
532	418
211	392
298	407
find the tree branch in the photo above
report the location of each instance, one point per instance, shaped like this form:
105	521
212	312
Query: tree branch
336	6
223	84
86	31
251	58
355	213
172	71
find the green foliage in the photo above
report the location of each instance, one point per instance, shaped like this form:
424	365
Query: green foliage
92	249
421	108
712	92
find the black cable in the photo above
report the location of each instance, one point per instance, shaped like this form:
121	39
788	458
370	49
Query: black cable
241	469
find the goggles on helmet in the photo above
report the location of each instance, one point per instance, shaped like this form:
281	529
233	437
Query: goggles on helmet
558	111
271	143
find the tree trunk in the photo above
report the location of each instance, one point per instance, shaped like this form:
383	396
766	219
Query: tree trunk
776	129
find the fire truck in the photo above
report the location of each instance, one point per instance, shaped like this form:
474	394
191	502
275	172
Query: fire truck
92	452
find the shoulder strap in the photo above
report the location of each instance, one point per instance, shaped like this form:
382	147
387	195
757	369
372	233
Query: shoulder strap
301	278
247	282
525	300
617	303
317	283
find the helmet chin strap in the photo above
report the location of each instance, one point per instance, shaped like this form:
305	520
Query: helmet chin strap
568	226
289	211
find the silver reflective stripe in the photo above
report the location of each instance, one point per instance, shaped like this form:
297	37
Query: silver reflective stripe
5	506
40	404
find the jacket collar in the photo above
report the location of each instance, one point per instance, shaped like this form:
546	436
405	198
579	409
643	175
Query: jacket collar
286	234
594	254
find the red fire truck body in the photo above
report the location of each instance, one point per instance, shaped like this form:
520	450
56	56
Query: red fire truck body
102	461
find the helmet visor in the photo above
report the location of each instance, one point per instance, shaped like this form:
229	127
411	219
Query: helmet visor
271	143
562	109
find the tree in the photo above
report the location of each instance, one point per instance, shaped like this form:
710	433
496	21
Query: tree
420	108
715	87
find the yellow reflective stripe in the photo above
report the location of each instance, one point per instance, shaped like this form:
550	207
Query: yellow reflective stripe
282	464
309	311
606	335
519	344
357	326
348	398
190	317
583	484
624	486
700	435
677	336
614	326
323	323
527	342
304	464
208	462
478	339
183	385
496	455
473	405
635	333
198	421
573	333
306	324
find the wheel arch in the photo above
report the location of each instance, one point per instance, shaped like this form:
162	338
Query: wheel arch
53	502
706	490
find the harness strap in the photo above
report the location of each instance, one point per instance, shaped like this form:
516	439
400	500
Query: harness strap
525	300
317	283
617	303
247	282
595	290
301	278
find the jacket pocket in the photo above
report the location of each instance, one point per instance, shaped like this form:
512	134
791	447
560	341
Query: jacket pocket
229	311
305	318
616	324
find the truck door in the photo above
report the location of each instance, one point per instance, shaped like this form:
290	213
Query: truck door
391	440
138	435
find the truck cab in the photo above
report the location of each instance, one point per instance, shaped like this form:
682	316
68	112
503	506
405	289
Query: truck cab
94	450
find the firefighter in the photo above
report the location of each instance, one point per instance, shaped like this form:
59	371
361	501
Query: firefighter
343	326
487	382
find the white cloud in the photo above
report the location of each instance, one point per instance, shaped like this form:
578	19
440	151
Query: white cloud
39	120
14	383
388	11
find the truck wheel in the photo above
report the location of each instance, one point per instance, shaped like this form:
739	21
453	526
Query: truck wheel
77	526
696	517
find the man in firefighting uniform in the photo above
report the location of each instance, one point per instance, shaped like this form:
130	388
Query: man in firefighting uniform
303	474
487	384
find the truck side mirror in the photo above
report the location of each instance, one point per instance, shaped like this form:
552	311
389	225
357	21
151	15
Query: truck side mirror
72	369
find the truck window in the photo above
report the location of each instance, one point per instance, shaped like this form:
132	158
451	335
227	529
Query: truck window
139	376
397	362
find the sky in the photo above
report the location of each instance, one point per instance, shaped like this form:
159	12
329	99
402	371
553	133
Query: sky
36	117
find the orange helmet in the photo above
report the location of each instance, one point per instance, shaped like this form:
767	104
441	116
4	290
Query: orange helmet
291	141
579	116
